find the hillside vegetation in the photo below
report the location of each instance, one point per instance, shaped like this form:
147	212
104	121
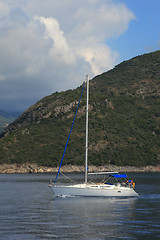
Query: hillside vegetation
124	121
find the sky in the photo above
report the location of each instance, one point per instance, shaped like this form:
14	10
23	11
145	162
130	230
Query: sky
48	46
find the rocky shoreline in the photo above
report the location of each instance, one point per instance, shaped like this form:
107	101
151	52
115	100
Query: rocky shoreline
34	168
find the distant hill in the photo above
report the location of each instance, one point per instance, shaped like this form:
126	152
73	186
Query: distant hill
6	118
124	121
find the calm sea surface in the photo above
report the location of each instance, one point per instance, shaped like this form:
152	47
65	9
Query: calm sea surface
29	211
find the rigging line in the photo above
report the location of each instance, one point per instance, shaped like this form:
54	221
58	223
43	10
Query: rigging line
69	135
71	167
107	137
111	148
66	177
96	178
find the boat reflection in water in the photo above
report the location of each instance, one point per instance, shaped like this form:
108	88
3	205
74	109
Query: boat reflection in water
94	218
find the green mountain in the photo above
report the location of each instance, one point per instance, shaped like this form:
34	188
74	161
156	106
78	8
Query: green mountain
124	121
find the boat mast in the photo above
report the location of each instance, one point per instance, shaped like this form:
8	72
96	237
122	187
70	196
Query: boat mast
86	157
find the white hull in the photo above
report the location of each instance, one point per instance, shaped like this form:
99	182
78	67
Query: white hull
93	190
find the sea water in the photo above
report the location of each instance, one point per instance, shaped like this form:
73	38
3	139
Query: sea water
29	211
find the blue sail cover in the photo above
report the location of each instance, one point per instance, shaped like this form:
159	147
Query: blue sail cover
119	175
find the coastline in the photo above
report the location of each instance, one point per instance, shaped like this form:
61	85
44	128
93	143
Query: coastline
34	168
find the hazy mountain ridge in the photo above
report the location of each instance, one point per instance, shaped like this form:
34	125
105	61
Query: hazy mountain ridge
6	118
123	121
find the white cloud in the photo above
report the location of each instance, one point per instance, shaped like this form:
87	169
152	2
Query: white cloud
103	21
20	47
4	10
54	45
60	50
100	57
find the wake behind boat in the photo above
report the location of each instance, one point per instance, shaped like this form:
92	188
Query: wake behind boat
116	185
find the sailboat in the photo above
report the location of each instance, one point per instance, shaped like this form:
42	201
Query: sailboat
116	185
